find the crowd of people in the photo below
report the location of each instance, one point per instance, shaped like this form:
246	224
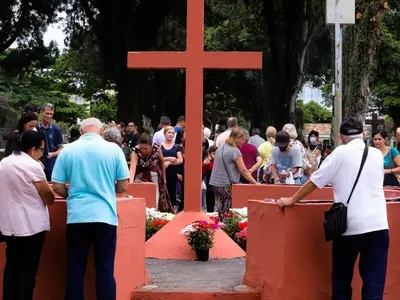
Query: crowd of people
100	160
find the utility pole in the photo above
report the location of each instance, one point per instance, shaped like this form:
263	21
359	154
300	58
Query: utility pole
337	108
339	13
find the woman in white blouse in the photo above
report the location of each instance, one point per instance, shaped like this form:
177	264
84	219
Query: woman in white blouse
24	217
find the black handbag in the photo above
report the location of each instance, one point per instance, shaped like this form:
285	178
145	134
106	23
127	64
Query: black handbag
335	221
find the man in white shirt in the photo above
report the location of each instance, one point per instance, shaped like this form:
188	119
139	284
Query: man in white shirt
367	231
159	137
232	123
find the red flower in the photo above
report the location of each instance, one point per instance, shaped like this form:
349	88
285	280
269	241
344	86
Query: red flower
227	215
159	223
242	225
215	219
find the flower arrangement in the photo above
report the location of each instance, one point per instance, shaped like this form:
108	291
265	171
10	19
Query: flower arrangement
200	237
156	220
235	222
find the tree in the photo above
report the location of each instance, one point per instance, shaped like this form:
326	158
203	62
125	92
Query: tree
291	27
32	84
26	21
386	79
311	112
361	42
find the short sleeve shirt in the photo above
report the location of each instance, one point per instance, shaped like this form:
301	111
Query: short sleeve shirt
223	175
22	210
91	165
367	206
287	160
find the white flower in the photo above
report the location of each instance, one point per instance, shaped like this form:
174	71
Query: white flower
152	213
187	229
213	214
242	212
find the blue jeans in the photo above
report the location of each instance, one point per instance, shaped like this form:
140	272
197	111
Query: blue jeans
80	237
373	249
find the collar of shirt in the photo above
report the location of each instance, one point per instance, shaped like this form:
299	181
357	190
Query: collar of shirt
90	136
40	125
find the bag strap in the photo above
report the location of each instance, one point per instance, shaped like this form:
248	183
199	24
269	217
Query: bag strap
226	169
364	158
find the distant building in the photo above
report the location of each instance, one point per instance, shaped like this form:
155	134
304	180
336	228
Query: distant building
324	130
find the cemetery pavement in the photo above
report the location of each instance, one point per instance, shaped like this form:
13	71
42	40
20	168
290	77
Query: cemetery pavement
181	275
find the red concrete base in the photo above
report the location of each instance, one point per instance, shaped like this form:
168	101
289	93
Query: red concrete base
242	193
168	295
145	190
168	243
130	269
288	258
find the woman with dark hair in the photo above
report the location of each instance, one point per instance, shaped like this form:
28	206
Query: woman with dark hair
27	122
147	165
391	158
24	217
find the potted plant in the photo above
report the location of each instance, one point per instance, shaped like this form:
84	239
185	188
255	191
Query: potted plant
200	237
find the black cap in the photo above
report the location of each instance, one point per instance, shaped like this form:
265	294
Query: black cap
282	139
351	126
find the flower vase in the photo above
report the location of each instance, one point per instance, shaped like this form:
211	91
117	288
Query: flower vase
202	254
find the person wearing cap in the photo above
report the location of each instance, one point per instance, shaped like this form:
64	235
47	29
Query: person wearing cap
285	159
96	170
367	231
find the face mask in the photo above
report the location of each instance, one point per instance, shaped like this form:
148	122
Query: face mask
313	139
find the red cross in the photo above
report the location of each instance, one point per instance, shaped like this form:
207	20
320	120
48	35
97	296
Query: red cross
194	60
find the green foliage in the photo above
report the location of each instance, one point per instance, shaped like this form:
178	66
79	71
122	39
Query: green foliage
34	85
105	108
386	85
312	112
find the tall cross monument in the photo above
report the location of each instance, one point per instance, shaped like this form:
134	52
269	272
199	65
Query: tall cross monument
194	60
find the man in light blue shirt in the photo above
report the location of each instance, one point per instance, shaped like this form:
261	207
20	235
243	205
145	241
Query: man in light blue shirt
96	170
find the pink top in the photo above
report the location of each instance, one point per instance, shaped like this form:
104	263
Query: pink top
22	210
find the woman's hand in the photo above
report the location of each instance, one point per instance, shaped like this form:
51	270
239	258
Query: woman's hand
167	163
179	176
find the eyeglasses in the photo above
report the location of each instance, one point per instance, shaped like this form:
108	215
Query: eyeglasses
42	149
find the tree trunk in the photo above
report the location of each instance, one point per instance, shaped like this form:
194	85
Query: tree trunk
290	26
361	41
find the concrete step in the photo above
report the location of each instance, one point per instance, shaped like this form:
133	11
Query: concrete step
152	292
192	280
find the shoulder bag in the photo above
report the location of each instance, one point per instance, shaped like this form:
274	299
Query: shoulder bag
335	221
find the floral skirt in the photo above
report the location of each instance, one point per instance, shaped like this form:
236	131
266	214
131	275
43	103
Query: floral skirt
223	199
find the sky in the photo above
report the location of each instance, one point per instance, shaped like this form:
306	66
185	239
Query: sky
54	32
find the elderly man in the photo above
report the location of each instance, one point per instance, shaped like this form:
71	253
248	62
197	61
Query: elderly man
96	170
367	231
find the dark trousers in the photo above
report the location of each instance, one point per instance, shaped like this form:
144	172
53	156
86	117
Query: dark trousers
80	237
48	173
22	263
171	186
210	199
373	249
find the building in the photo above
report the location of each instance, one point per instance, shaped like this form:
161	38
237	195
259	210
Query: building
324	130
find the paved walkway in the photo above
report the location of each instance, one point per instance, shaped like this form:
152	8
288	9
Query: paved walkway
213	275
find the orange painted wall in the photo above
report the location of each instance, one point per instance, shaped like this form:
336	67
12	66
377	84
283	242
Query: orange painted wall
145	190
241	193
130	269
288	258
